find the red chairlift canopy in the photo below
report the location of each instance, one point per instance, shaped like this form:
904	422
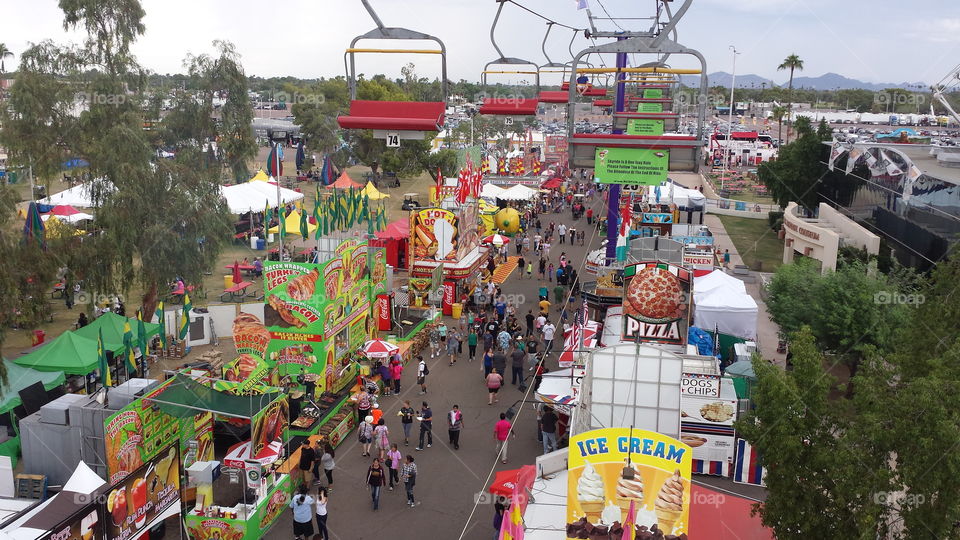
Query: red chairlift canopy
603	103
394	115
553	96
509	106
748	135
593	92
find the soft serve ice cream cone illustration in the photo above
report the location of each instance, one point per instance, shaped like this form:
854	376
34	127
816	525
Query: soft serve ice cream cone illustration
669	505
590	493
630	488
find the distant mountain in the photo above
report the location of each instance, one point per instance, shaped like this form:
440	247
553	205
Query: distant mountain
827	81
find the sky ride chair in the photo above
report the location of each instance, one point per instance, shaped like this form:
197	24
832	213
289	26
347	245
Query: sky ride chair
393	120
683	150
513	106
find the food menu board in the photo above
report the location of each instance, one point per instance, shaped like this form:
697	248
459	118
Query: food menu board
269	425
439	234
143	495
706	422
315	314
612	469
86	524
138	432
656	303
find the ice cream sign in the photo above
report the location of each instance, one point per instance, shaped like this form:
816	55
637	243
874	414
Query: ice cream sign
619	478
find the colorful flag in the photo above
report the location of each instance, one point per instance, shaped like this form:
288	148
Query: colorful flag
304	229
162	320
623	238
142	335
105	378
185	315
630	523
512	527
439	181
275	162
853	158
130	356
582	4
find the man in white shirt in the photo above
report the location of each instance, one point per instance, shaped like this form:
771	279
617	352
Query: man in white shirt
548	331
540	323
562	231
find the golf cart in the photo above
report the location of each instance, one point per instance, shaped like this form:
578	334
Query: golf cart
409	203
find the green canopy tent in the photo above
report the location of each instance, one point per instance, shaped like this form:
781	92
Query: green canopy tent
69	353
20	377
112	326
183	397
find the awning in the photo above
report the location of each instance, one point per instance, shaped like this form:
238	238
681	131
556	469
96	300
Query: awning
396	230
184	397
728	518
112	326
344	182
19	377
70	353
371	192
292	224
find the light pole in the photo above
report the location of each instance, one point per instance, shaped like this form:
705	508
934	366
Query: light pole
733	84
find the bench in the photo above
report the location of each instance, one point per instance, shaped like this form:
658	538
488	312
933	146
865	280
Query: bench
236	293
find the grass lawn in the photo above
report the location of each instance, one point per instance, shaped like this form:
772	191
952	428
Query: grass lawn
755	242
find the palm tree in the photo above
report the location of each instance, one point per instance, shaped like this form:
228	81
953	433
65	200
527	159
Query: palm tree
792	62
4	53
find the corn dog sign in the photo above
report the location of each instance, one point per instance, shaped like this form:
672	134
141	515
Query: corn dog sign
434	234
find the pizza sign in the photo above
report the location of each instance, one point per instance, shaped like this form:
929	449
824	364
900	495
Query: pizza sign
656	303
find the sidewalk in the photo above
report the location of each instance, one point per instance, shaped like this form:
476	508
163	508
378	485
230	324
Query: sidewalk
767	330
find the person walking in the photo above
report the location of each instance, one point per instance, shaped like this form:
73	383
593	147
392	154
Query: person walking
396	371
500	362
501	433
453	346
376	479
406	414
548	332
381	438
364	402
386	376
521	264
517	356
487	362
322	531
426	426
542	267
422	372
365	435
434	342
530	269
503	340
548	426
393	465
442	330
454	425
472	344
562	232
498	511
328	464
408	473
307	456
726	258
494	382
530	320
302	505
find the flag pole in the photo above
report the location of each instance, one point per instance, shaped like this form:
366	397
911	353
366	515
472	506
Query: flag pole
280	214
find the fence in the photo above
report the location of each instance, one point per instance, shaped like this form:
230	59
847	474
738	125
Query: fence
731	207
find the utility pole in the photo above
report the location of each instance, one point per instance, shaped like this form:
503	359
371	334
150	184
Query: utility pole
733	84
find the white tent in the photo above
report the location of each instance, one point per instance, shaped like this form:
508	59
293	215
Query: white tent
718	279
78	196
727	310
77	493
491	191
518	193
254	196
671	192
73	218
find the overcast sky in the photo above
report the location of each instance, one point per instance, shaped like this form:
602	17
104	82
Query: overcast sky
872	40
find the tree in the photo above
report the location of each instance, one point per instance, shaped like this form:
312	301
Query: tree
4	54
224	75
821	476
778	113
166	218
792	62
851	312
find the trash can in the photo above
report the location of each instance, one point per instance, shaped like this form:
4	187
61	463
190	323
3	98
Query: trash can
253	242
39	336
228	281
261	244
456	310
